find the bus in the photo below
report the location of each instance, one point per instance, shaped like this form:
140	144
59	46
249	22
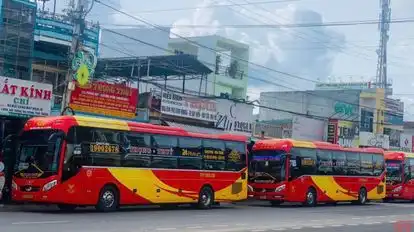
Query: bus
76	161
400	176
284	170
2	177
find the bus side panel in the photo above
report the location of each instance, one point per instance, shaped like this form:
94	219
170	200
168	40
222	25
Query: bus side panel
298	188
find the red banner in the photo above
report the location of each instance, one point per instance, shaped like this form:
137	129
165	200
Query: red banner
112	100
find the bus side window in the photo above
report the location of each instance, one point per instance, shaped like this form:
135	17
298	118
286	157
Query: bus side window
378	161
367	167
339	163
190	153
353	163
306	160
213	155
325	162
235	156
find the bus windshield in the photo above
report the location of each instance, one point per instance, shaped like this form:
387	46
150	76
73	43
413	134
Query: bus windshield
394	171
38	154
268	166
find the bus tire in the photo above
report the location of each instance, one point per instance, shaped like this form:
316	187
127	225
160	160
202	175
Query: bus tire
66	207
362	196
276	203
108	199
310	198
205	198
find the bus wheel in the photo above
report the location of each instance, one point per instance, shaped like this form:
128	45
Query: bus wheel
66	208
362	196
310	197
205	198
276	203
108	199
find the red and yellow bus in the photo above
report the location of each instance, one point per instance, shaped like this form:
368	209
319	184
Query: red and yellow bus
2	177
400	175
284	170
82	161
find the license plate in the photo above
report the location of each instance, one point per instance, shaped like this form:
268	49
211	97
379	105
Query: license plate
262	197
28	196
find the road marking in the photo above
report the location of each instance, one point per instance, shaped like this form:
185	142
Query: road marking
194	227
165	229
241	224
381	216
352	224
40	222
279	229
258	230
296	228
318	227
336	225
220	225
355	218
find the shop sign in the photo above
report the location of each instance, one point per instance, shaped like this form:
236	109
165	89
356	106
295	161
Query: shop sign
24	98
332	134
343	86
188	107
348	134
234	116
344	109
369	139
101	98
406	142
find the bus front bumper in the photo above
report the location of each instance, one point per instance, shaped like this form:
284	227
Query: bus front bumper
269	196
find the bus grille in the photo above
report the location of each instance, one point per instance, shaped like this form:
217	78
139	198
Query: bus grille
28	188
263	190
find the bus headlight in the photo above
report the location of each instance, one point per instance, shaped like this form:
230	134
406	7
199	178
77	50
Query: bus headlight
397	189
49	185
280	188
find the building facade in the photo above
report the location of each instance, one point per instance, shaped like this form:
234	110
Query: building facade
226	57
355	117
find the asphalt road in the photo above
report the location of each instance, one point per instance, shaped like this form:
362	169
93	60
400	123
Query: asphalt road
245	217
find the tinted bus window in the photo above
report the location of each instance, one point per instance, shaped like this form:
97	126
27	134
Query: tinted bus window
378	162
213	154
137	149
235	156
163	141
367	167
339	163
190	153
409	169
324	162
303	162
102	145
353	163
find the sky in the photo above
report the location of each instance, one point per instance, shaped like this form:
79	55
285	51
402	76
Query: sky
346	53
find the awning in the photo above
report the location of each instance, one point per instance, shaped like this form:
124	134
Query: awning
196	129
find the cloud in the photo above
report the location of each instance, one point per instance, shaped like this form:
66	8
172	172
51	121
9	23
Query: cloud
290	50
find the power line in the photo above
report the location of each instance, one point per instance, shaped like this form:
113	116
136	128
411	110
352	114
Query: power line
249	76
209	6
279	26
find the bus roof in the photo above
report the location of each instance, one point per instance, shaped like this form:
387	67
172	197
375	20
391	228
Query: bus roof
398	155
288	144
66	122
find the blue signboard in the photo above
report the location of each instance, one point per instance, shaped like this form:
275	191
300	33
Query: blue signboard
394	119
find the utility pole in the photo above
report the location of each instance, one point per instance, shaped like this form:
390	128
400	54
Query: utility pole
78	14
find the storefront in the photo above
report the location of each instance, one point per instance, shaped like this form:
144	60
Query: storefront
20	100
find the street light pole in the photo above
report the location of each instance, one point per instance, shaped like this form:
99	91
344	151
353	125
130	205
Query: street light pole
78	18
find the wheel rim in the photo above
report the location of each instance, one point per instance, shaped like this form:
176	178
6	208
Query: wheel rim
108	199
205	198
310	198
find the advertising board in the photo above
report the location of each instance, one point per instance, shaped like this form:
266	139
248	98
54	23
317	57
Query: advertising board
111	100
22	98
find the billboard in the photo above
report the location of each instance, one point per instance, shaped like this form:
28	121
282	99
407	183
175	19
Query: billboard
101	98
188	107
234	117
22	98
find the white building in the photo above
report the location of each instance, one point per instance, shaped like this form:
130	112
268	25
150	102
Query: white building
226	57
